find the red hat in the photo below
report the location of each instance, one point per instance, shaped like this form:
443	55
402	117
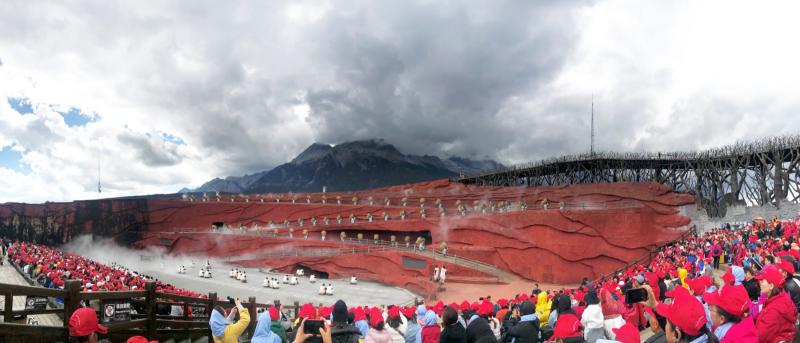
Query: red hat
786	266
394	312
502	302
566	326
139	339
772	275
475	306
409	312
485	309
439	306
673	293
685	312
375	318
732	299
83	322
274	313
699	285
464	306
358	314
728	278
627	334
325	312
307	311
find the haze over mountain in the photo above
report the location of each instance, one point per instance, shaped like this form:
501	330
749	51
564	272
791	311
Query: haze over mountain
345	167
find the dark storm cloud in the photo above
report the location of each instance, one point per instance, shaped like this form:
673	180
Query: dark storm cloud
433	79
149	151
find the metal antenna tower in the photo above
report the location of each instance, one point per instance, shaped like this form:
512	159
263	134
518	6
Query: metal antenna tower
591	139
99	188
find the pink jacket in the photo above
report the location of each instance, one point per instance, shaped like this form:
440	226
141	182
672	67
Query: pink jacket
741	332
375	336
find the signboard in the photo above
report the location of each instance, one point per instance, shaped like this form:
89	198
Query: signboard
409	262
35	303
115	311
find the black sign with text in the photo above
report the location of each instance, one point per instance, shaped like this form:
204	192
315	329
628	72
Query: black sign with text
115	311
35	303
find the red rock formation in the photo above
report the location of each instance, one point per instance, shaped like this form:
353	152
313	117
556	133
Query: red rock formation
601	228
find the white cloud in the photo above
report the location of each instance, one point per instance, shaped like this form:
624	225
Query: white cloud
248	85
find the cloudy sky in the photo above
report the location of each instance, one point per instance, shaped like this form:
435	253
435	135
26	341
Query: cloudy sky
169	94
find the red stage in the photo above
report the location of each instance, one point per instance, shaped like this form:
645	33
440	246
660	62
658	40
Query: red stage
601	228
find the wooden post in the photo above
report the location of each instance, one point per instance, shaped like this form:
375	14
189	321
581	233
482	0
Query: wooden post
150	306
72	300
251	307
8	316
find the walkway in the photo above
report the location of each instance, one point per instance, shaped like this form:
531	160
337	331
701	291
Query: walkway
8	274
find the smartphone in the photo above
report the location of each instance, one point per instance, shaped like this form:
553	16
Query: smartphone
311	327
635	295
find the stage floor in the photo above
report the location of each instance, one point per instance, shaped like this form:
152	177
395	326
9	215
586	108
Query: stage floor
363	293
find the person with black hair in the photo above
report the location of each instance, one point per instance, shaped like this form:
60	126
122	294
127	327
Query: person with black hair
395	325
776	320
377	332
592	318
751	284
685	319
728	308
657	324
452	331
792	285
510	320
526	329
477	325
413	328
342	328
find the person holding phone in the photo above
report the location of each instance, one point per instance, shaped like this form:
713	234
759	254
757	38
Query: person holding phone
323	331
223	329
526	329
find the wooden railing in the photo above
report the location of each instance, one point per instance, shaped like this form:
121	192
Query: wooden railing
148	324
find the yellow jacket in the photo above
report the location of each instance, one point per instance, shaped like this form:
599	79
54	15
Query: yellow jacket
543	308
682	274
233	331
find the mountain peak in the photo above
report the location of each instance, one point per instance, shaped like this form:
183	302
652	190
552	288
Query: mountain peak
313	152
348	166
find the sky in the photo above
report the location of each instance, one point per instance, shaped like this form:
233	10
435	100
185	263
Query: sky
154	96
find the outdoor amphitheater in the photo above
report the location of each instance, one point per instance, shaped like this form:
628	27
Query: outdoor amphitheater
500	237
